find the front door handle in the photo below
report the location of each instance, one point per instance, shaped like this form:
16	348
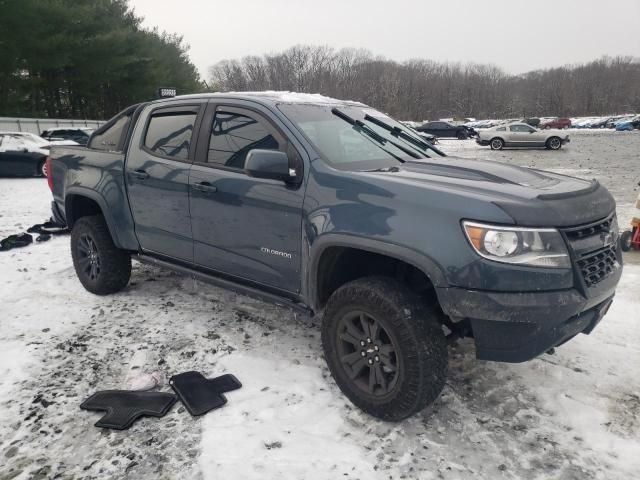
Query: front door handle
139	174
205	187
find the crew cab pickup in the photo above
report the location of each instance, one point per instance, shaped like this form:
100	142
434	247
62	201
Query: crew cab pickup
332	208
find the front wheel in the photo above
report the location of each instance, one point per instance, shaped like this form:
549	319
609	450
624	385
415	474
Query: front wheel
41	170
497	144
462	135
102	268
384	348
554	143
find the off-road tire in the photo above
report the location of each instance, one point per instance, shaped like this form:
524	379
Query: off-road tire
553	143
114	268
625	240
413	327
496	144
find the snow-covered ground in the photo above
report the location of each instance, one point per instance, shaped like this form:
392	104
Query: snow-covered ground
573	415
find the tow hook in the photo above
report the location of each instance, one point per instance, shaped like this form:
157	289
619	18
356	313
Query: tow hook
551	351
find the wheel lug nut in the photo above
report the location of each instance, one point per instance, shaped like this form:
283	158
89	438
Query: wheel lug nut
377	358
376	348
363	353
362	343
368	340
370	362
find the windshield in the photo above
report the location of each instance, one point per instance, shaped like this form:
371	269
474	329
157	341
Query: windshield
350	147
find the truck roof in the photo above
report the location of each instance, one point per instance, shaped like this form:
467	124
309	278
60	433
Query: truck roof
272	97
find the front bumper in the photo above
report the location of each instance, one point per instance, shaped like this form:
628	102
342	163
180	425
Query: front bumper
516	327
565	140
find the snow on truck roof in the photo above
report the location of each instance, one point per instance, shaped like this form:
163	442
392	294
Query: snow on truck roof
277	97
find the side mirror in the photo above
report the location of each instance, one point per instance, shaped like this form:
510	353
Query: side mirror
271	164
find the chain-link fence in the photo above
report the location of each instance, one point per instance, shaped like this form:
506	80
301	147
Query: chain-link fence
38	125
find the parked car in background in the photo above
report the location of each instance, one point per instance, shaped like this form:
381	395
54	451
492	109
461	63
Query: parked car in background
78	135
21	157
558	123
521	135
31	140
533	121
446	130
628	124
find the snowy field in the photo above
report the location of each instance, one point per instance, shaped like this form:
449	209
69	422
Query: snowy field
573	415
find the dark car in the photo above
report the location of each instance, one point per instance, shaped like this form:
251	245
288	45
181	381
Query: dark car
333	209
447	130
78	135
556	123
20	158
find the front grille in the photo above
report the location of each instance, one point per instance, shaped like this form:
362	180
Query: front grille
594	249
596	266
603	226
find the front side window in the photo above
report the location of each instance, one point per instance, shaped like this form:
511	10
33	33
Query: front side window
521	128
234	134
169	134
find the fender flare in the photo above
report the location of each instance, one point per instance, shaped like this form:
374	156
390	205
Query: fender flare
408	255
78	191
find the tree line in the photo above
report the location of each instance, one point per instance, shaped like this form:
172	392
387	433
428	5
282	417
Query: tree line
423	89
84	59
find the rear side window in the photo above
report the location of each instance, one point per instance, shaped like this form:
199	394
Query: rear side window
109	138
169	134
233	135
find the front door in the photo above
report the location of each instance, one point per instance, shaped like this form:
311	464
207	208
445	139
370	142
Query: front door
157	176
523	135
244	227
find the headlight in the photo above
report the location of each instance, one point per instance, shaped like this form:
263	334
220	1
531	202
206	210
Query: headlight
538	247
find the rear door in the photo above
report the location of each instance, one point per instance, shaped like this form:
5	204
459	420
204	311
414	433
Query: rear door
244	227
157	178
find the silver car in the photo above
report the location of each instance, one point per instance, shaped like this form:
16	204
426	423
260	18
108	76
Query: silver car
521	135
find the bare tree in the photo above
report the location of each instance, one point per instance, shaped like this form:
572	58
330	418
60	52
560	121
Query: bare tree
423	89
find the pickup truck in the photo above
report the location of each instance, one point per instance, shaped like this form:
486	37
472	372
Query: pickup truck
332	208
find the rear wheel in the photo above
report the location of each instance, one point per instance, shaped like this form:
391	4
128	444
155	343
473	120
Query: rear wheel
102	268
384	347
496	144
554	143
625	240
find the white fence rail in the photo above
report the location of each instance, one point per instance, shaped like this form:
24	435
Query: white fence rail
38	125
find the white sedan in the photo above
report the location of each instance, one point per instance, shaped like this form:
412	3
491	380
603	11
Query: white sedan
521	135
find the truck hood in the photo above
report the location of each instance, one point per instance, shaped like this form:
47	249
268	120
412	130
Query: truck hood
530	197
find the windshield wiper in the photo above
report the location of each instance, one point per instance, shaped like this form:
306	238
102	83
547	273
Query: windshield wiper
401	134
363	128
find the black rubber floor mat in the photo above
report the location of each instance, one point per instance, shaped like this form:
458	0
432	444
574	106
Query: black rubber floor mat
15	241
200	394
124	407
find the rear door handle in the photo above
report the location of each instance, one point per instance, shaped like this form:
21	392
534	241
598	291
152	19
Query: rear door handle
140	174
205	187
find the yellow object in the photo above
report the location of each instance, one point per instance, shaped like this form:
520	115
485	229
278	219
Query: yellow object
635	222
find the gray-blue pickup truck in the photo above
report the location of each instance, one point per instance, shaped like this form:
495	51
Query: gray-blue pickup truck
332	208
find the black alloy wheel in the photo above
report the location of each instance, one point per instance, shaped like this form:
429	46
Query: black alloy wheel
367	353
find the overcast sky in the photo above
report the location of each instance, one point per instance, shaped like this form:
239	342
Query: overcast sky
516	35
